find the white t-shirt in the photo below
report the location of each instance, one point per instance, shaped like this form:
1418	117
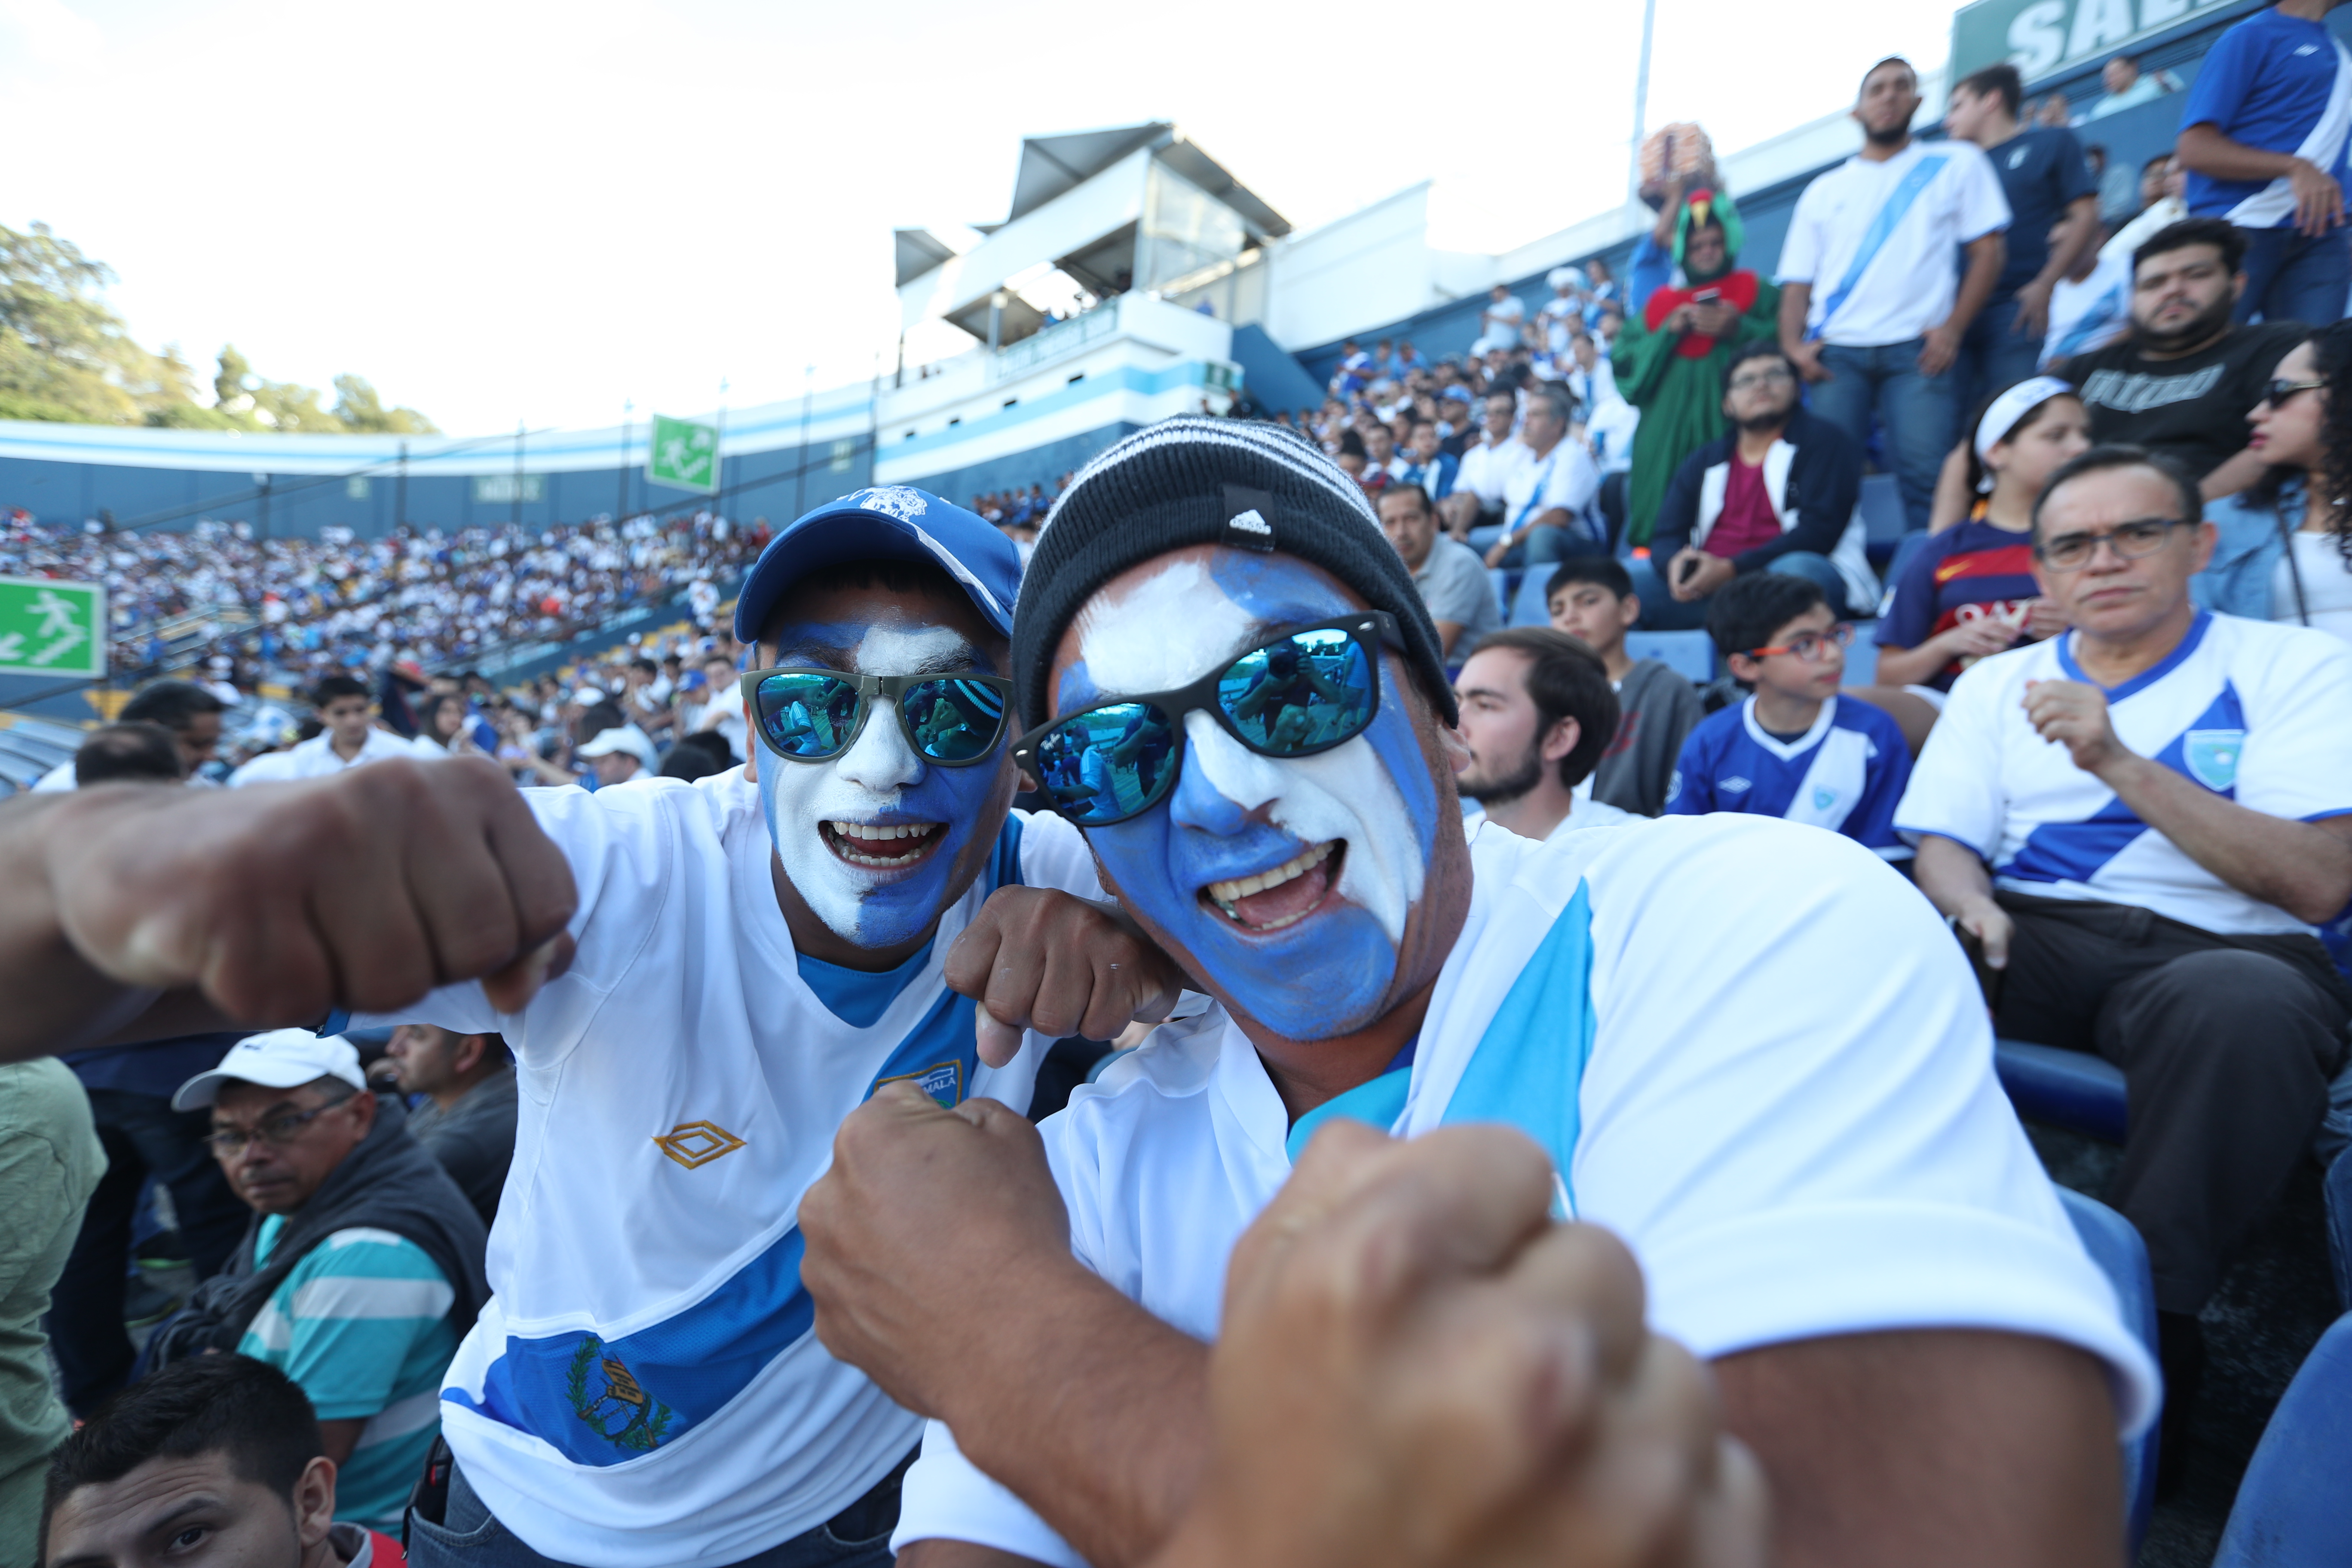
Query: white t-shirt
2256	713
1563	478
316	758
2090	314
1947	195
1586	813
1798	1133
1502	320
1486	470
644	1390
2327	585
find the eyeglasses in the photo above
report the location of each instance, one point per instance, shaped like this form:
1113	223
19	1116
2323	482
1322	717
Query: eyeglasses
2277	390
1294	695
2129	541
815	715
1778	376
277	1131
1809	646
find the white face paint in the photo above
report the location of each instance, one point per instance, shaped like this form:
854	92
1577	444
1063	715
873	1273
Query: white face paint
1174	627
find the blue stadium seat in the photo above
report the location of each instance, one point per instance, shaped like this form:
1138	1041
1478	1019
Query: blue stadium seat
2116	1246
2294	1505
1530	608
2073	1090
1883	522
1690	655
1501	582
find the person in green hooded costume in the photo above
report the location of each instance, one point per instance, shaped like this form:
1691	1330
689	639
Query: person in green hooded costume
1670	355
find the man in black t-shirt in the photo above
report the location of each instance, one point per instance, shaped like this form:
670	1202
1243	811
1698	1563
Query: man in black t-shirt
2054	218
2184	379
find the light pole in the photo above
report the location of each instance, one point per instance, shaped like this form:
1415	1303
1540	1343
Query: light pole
621	506
800	470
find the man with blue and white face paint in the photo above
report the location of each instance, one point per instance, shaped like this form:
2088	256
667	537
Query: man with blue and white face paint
1749	1050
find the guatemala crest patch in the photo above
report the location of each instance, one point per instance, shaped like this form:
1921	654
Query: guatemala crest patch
898	500
2213	757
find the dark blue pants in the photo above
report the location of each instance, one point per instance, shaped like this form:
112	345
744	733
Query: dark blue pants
2292	277
1993	355
1917	411
1661	612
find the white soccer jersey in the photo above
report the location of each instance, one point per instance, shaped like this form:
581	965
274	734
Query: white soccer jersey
2256	713
317	758
1773	1078
644	1391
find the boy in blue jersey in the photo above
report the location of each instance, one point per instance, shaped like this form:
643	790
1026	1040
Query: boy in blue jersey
1747	1048
1795	748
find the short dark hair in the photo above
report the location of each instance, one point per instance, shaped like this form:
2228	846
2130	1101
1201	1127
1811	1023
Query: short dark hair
2219	233
1892	61
1566	679
2116	455
333	686
1747	610
1399	488
1762	348
229	1404
1557	397
139	749
2001	79
1351	444
170	703
1607	571
2151	162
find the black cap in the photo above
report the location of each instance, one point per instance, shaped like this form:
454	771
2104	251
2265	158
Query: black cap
1195	481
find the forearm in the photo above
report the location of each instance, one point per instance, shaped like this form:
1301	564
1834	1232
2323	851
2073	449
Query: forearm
2205	151
2302	867
2237	472
2080	231
1911	666
1095	1412
1796	301
1950	873
1985	257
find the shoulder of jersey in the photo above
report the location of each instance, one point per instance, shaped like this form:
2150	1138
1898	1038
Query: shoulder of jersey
1175	1061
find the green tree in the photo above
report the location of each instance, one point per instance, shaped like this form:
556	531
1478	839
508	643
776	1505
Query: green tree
361	409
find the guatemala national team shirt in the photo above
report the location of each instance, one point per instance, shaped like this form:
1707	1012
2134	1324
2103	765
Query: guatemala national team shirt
362	1326
643	1390
1845	773
1964	574
316	758
2278	84
1773	1080
2257	712
1876	240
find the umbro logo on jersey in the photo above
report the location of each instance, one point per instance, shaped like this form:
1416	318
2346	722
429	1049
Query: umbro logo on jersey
1823	797
2017	158
1736	787
943	1081
695	1143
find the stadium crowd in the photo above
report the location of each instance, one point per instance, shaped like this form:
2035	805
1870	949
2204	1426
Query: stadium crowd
2088	785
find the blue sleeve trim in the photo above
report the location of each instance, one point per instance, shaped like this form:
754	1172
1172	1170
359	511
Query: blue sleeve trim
2326	815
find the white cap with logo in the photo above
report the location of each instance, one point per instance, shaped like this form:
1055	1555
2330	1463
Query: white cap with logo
282	1059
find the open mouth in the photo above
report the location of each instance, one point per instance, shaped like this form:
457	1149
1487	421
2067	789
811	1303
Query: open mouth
1284	896
883	846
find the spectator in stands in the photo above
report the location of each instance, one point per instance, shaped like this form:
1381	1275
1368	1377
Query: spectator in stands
2054	208
698	756
1355	372
1794	748
444	726
2264	139
1592	599
1873	309
1547	496
1476	503
2053	113
350	738
1777	493
2126	88
2276	557
1428	464
50	1162
467	1122
219	1460
1563	313
1452	582
137	750
721	709
2162	184
2182	383
1536	712
190	712
2089	308
620	754
1382	464
1669	365
1498	323
364	1269
2116	184
2141	822
1601	295
1968	593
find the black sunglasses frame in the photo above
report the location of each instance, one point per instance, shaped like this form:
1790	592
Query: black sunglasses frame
894	688
1369	630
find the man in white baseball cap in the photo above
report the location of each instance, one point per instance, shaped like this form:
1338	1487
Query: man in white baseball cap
282	1059
620	754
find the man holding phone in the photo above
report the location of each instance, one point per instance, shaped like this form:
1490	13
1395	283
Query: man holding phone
1774	494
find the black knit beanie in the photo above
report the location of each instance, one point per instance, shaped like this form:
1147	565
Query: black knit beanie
1194	480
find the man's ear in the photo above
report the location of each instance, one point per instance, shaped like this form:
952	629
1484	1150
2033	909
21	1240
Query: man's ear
1562	740
471	1050
1742	667
314	1501
2238	290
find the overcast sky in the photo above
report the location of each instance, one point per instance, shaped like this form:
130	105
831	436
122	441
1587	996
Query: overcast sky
500	212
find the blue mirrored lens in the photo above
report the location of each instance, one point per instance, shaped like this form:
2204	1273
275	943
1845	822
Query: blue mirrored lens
806	716
1307	691
1108	762
953	721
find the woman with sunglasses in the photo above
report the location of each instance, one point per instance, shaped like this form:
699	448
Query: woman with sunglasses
2283	555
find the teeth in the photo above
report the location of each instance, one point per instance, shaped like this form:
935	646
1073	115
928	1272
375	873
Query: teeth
1227	893
876	830
847	837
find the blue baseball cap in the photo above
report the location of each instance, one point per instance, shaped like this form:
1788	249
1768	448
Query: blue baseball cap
893	522
1459	394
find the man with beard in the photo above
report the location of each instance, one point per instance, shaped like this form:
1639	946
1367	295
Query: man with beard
2183	380
1873	309
1669	359
1536	712
1746	1046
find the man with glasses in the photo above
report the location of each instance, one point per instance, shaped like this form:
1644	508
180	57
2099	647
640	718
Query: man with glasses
364	1269
1745	1047
1774	494
2142	821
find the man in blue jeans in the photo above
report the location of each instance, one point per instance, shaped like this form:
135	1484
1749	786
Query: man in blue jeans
2263	137
1873	309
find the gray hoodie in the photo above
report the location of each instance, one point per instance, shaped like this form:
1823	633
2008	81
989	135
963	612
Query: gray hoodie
1659	707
